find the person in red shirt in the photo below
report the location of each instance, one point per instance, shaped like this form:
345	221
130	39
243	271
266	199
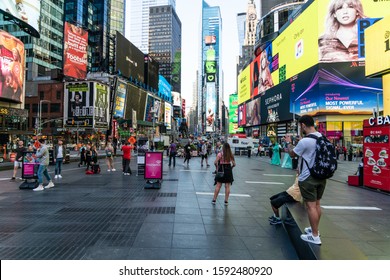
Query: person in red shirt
126	149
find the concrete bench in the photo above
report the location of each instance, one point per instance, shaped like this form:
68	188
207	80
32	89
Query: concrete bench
335	244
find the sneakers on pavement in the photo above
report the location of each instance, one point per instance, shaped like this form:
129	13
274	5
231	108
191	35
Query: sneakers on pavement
308	230
226	203
113	169
108	170
50	185
271	218
311	239
213	202
39	188
275	221
59	176
12	179
56	177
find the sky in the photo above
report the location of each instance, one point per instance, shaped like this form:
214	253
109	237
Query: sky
189	12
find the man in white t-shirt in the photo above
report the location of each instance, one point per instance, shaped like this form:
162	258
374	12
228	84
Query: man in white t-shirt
311	188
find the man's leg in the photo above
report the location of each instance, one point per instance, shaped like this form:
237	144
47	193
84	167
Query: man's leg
314	216
16	166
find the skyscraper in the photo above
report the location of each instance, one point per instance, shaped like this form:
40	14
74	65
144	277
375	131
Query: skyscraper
137	26
241	17
210	71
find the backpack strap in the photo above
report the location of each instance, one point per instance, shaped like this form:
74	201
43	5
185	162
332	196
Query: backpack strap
312	136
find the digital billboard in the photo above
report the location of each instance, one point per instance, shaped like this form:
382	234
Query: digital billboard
168	115
255	72
210	39
242	114
233	114
176	98
75	51
101	94
275	104
26	12
211	107
210	67
129	60
120	99
12	68
135	101
176	71
151	75
164	88
78	104
253	112
152	109
244	85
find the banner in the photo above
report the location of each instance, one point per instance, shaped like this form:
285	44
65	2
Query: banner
12	68
168	115
101	101
78	104
120	99
75	51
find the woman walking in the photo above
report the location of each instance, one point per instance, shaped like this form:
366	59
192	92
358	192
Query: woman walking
109	157
224	163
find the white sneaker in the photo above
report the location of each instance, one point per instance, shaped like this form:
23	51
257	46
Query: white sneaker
50	185
59	176
113	169
311	239
39	188
56	177
308	230
108	170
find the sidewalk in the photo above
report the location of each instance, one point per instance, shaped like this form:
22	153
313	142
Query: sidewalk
111	216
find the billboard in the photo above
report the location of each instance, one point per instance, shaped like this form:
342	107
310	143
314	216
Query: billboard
210	40
164	88
26	12
129	61
210	67
149	108
253	112
275	104
151	69
176	71
233	114
135	101
211	106
242	114
101	95
176	98
168	115
75	51
120	99
244	85
78	104
12	68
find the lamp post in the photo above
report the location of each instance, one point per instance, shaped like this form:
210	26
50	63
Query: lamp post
40	115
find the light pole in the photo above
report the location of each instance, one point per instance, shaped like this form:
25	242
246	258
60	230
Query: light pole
40	115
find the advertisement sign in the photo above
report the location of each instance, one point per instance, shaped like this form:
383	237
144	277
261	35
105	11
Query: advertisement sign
75	51
101	101
233	115
378	48
255	68
12	68
149	110
78	104
211	107
168	115
253	112
152	67
275	104
129	59
244	85
242	115
210	67
27	12
134	119
164	88
136	100
176	98
153	165
176	71
210	39
376	150
120	99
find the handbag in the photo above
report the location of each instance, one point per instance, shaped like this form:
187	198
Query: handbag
220	172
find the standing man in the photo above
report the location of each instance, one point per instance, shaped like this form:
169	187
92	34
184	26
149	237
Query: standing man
126	149
59	154
204	153
20	149
311	188
172	153
43	155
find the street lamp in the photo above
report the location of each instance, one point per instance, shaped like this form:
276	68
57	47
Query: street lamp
40	115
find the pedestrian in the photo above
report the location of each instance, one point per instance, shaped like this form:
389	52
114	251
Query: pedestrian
94	155
345	152
126	157
115	145
59	153
172	153
43	155
20	150
292	194
109	157
225	163
204	154
82	153
187	153
88	157
275	160
311	188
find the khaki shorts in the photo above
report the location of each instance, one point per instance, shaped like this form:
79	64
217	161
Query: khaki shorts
312	189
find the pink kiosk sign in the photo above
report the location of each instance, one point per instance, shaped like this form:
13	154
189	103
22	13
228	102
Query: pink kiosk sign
153	166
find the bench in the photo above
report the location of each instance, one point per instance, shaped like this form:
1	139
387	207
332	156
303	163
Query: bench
335	243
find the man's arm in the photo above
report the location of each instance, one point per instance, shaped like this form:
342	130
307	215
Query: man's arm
290	147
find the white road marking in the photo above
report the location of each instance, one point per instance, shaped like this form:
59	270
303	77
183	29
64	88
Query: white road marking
265	183
201	171
279	175
351	208
234	194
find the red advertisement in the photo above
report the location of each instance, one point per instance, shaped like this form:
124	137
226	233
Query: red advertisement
376	149
12	68
75	51
153	165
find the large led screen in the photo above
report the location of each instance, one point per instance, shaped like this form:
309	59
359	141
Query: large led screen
164	88
12	68
27	12
78	104
253	112
151	67
136	100
244	85
101	94
75	51
211	107
120	99
275	104
233	114
168	115
129	59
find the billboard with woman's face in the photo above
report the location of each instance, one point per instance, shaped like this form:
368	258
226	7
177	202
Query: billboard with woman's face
12	68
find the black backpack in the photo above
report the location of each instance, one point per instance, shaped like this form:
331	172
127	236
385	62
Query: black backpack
325	161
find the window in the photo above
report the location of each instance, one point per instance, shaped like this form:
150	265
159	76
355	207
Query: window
55	107
58	95
41	95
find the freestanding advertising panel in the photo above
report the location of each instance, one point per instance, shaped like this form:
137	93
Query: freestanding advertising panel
376	148
153	169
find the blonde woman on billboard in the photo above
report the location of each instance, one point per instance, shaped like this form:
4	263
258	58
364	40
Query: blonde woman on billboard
265	74
340	40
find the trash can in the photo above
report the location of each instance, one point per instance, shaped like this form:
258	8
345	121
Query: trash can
249	149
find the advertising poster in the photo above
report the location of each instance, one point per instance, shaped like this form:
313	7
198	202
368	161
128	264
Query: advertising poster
244	85
266	64
176	98
233	114
120	99
153	165
168	115
134	118
129	59
149	109
75	51
253	112
275	104
152	67
78	104
12	68
242	115
101	101
176	71
255	68
211	107
164	88
136	100
26	11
